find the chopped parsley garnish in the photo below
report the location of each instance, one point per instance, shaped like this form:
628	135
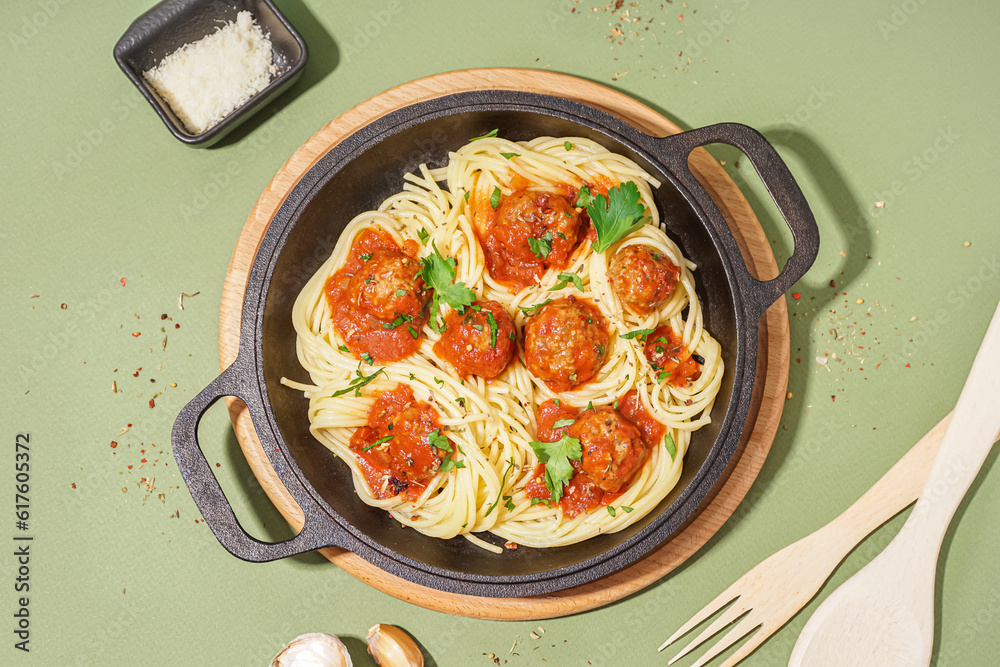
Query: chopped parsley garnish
638	333
477	327
413	332
568	146
398	322
503	483
531	310
671	446
541	501
440	383
600	350
357	382
510	155
509	504
367	358
541	247
615	404
557	402
423	235
401	292
488	135
626	508
584	198
365	257
663	375
512	336
617	215
495	198
563	422
343	348
436	439
557	456
378	442
590	405
611	510
565	279
467	193
439	273
494	327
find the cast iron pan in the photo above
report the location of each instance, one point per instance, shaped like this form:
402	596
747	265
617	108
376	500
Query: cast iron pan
357	175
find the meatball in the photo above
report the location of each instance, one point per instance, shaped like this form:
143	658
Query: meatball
548	218
388	286
613	448
478	342
396	443
642	277
566	343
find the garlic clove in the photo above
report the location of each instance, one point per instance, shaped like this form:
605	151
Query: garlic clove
391	647
313	649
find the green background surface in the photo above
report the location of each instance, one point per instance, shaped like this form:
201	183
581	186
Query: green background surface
107	219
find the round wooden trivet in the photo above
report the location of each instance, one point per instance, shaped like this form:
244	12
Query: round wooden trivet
771	380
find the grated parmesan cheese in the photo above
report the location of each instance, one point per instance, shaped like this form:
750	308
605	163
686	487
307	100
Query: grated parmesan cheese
208	79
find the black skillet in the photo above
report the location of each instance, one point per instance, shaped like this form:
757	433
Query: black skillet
357	175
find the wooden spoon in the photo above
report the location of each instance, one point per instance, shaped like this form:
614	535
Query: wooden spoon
884	614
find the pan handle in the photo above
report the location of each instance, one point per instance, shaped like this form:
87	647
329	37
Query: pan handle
317	529
784	191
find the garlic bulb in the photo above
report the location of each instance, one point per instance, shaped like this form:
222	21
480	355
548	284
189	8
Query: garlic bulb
391	647
313	649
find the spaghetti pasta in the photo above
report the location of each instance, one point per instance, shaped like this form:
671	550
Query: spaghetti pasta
490	481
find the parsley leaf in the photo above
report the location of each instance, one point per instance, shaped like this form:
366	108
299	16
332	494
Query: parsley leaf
398	322
510	155
344	348
367	358
662	375
583	197
541	247
568	146
611	510
503	483
557	456
495	198
488	135
626	508
378	442
565	279
616	216
563	422
423	235
671	446
638	333
494	327
439	273
531	310
357	382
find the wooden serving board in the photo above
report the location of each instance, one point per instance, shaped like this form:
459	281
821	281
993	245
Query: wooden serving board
771	378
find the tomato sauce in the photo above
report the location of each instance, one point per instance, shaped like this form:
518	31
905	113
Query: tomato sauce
523	217
384	339
581	493
667	353
404	461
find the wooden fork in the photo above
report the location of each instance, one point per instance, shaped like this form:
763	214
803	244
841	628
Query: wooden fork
771	593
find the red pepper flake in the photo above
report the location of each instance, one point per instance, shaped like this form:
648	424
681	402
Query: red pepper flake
798	360
177	326
113	444
151	403
73	485
136	374
122	282
833	399
512	545
877	365
907	365
796	295
218	465
63	306
142	461
163	316
833	283
130	467
680	18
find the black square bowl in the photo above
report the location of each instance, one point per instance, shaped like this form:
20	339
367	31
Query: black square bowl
173	23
